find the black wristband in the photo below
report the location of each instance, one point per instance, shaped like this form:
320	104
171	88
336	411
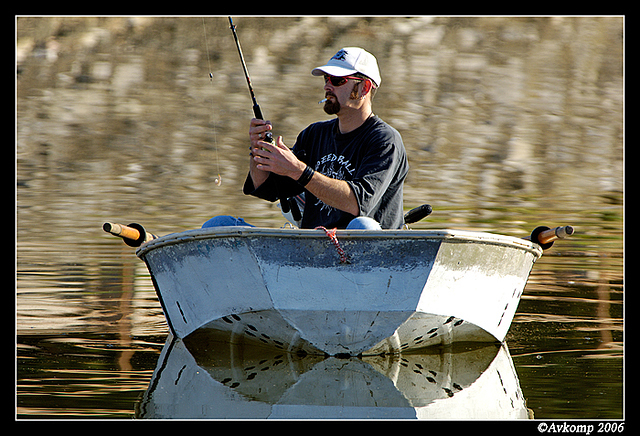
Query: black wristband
306	176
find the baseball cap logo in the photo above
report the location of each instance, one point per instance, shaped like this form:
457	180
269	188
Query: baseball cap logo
341	55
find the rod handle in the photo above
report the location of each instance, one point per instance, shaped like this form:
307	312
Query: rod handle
257	111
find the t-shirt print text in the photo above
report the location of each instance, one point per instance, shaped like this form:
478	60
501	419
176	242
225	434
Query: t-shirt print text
334	166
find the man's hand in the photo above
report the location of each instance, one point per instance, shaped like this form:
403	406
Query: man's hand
277	158
257	130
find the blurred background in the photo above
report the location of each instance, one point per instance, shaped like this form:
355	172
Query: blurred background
508	122
117	117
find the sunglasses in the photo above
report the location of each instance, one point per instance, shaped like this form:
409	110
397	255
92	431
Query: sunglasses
339	81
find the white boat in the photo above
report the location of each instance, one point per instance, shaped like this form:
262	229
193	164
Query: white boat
374	292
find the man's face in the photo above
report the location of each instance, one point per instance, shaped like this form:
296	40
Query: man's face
337	96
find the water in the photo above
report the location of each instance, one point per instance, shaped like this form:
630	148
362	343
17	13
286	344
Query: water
509	123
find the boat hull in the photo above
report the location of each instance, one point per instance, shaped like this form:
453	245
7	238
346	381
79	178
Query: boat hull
399	290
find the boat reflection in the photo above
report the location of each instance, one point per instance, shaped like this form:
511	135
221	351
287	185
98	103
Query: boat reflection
199	378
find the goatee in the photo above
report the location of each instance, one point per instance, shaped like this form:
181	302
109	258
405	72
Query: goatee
332	107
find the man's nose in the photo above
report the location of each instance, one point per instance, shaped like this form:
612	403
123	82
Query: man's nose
328	86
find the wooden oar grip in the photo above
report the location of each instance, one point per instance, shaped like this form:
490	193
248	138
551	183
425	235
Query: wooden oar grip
544	236
121	230
134	235
552	234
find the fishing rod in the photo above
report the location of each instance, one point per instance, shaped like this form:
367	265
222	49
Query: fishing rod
256	107
285	204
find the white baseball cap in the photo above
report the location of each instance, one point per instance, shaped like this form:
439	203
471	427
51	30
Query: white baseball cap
351	60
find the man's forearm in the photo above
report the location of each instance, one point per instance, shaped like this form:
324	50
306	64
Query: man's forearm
334	193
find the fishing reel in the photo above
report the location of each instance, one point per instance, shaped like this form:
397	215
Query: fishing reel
268	137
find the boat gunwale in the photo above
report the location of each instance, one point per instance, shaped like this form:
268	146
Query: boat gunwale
448	235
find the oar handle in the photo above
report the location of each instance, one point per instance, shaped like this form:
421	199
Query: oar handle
134	235
545	236
417	213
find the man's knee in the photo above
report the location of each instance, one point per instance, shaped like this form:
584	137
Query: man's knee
363	223
225	220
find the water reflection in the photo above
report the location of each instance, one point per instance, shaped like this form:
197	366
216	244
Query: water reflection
199	378
91	288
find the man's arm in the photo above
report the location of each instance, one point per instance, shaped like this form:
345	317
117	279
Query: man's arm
334	193
279	159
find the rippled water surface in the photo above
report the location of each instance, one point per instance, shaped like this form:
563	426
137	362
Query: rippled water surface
509	123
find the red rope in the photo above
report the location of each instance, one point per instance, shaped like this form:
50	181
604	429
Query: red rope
332	235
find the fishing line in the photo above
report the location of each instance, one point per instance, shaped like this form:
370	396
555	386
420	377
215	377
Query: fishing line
217	180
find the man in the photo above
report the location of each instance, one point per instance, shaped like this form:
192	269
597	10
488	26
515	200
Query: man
351	169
